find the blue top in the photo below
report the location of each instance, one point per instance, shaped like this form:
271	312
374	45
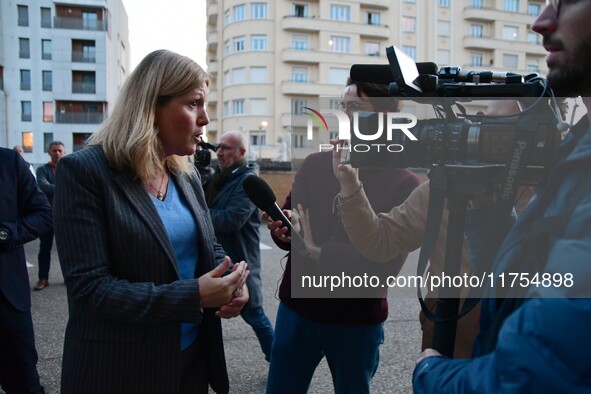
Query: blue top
182	231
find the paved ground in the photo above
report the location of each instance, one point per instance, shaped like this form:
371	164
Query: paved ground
246	364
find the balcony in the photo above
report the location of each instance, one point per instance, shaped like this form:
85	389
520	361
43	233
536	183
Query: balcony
80	117
84	87
488	43
83	57
212	12
376	4
311	88
290	120
313	56
212	67
79	24
495	15
212	40
294	23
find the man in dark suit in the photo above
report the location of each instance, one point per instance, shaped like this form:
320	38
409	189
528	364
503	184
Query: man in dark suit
25	213
46	181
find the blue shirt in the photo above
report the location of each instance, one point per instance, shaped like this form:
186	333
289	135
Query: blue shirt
181	228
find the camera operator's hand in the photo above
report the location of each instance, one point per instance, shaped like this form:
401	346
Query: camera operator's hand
347	175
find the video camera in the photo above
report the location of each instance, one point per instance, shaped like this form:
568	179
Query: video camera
466	144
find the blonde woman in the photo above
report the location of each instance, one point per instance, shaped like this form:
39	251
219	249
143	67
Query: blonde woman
137	248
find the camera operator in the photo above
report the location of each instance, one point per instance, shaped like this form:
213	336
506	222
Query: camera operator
541	344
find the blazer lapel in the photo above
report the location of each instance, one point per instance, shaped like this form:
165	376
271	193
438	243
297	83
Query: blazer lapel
133	189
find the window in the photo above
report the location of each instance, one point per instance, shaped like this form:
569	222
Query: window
476	30
258	43
443	57
227	80
27	141
258	74
226	47
239	44
533	68
25	79
89	52
258	106
477	3
227	19
340	44
476	59
23	15
47	139
46	17
226	110
300	42
239	12
510	61
511	5
79	140
334	103
410	51
443	3
46	49
299	74
340	12
533	38
258	138
299	139
338	75
47	81
443	28
510	33
409	24
372	48
48	111
297	106
300	10
258	10
89	20
239	75
372	18
83	82
26	111
238	107
23	48
534	9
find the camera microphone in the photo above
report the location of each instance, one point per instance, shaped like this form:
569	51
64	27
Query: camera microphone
382	73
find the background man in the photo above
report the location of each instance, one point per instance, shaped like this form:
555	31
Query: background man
541	344
46	181
236	221
24	215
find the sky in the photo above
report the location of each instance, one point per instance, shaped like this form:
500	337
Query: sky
177	25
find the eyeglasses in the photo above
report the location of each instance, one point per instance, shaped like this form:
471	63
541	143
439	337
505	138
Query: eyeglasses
225	147
555	4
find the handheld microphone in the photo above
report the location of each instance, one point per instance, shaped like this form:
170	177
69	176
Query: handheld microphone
260	193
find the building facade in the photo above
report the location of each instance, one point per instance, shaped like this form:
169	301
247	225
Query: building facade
270	59
62	64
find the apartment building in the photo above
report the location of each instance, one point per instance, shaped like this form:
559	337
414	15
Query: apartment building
62	64
269	59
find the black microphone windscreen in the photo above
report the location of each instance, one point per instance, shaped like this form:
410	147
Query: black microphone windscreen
259	192
382	74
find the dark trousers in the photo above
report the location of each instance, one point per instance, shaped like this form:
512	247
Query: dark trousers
18	357
194	371
44	257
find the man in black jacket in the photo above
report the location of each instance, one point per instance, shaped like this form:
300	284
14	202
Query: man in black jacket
24	215
236	221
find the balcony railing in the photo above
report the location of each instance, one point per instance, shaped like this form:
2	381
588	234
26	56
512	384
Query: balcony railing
83	87
79	24
82	57
80	117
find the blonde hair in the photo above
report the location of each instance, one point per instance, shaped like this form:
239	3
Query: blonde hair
129	136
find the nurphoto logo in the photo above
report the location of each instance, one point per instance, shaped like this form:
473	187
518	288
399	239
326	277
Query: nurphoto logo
387	122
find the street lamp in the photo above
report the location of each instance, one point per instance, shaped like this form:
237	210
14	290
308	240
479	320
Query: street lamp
262	125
